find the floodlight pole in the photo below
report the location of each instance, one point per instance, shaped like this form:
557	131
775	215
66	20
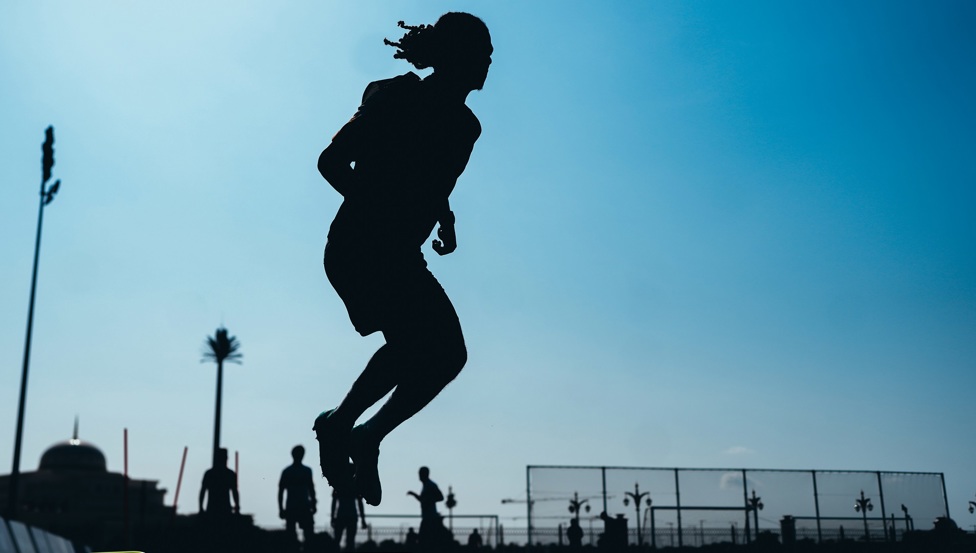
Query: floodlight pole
47	195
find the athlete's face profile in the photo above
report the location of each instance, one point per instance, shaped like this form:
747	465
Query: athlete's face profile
482	65
476	63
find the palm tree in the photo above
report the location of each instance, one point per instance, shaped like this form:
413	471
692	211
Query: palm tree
219	348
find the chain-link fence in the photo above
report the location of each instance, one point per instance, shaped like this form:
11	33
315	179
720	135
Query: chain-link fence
684	506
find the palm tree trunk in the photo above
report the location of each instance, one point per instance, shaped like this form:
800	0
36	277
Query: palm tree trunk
220	385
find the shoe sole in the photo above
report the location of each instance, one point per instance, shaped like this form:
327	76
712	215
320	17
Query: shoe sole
334	465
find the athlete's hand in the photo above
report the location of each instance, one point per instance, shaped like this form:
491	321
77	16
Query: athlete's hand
447	242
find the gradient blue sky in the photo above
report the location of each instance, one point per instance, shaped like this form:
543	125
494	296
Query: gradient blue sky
699	234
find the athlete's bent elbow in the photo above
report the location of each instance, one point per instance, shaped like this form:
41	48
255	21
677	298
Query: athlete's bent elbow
326	165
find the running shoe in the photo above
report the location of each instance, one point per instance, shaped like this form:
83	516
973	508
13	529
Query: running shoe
333	452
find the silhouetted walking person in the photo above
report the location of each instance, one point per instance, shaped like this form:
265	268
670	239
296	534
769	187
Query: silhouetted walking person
296	496
432	531
347	507
219	485
410	140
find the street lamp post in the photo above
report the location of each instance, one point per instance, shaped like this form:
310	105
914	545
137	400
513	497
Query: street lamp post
972	509
47	196
636	496
576	503
863	505
451	503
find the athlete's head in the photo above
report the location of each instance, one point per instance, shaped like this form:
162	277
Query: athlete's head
424	474
220	459
458	46
297	453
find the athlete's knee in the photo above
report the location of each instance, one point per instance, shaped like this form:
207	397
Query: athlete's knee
453	358
443	362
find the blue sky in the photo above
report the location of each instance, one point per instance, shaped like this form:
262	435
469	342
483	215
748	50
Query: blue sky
694	234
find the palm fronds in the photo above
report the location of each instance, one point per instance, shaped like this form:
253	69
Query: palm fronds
221	347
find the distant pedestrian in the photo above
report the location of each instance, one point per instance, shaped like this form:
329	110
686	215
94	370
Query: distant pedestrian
412	540
347	507
432	529
474	539
219	485
575	534
300	506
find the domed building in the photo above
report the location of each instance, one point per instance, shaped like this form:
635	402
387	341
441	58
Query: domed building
73	494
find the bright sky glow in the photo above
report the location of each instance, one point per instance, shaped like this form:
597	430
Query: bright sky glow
691	234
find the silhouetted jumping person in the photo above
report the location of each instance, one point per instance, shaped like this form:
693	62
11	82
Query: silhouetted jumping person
410	140
296	496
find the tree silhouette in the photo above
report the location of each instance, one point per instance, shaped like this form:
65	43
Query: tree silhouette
219	348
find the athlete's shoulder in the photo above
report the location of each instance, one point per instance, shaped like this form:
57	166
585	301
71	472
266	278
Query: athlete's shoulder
389	87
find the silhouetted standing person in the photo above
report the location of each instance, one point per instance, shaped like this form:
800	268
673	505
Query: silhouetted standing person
345	514
574	534
219	485
474	539
431	524
410	140
296	496
412	540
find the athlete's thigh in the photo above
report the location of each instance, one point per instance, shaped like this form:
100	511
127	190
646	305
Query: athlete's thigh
421	313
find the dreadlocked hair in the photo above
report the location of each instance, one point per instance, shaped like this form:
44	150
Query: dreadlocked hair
454	34
418	46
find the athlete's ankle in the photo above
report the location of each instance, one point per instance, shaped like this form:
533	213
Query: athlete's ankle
373	431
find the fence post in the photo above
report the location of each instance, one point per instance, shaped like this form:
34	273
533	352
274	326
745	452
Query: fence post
677	503
745	500
884	514
528	506
603	471
816	505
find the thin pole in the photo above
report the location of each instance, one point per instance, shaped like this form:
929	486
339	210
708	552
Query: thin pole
125	483
179	481
945	496
816	506
13	500
884	514
677	501
603	471
745	497
528	504
220	382
653	529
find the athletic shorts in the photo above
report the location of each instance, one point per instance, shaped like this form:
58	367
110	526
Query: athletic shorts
389	292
